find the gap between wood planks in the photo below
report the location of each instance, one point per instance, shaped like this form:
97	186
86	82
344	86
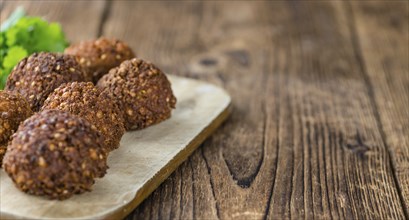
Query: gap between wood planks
104	16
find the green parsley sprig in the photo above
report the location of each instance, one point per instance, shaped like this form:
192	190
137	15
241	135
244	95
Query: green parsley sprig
21	35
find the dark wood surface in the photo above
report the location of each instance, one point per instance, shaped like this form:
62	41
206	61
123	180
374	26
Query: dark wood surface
320	89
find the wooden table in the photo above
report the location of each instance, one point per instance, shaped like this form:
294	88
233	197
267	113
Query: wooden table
320	122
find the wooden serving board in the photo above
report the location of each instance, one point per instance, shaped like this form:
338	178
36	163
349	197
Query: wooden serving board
143	161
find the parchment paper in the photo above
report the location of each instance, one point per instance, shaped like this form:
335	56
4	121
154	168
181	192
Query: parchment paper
141	155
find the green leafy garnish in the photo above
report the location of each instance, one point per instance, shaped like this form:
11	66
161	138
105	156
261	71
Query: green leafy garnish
22	35
18	53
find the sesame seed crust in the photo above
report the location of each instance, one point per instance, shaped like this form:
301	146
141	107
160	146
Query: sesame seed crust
55	154
85	100
141	90
13	110
36	76
99	56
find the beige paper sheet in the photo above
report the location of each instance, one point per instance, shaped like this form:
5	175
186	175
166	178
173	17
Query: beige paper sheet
134	167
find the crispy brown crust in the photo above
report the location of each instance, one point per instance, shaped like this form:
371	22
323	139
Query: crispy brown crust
3	149
55	154
13	110
99	56
36	76
87	101
142	92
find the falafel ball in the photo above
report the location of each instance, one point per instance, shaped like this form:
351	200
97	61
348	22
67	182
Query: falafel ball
36	76
87	101
99	56
13	110
141	90
55	154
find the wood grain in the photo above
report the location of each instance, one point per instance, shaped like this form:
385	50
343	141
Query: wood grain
80	20
337	147
298	144
382	30
319	127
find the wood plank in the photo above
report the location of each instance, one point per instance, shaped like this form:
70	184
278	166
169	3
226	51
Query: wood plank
298	144
162	25
334	151
383	36
80	20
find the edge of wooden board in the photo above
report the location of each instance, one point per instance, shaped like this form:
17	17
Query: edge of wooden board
170	167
